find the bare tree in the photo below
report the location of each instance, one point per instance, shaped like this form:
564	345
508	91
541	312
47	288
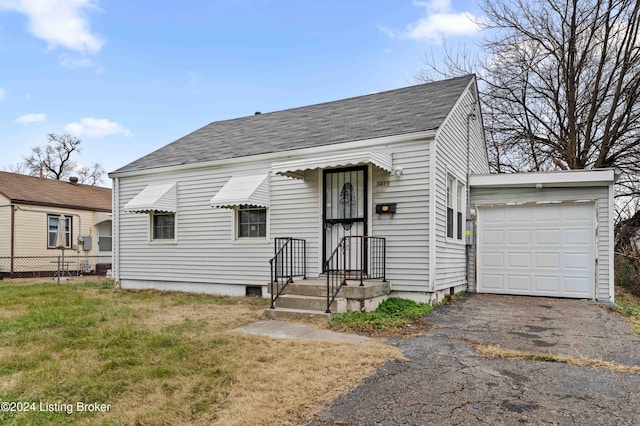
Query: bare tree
560	83
55	161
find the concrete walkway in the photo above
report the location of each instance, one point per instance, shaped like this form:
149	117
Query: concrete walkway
294	330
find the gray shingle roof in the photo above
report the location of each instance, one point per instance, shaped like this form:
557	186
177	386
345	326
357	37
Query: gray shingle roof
411	109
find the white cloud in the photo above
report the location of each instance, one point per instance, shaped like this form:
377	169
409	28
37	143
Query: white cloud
75	63
30	118
440	22
2	94
60	23
96	127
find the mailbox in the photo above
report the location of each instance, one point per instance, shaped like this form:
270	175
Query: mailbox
389	208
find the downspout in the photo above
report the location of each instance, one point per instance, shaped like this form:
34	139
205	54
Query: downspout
467	246
432	213
13	238
115	229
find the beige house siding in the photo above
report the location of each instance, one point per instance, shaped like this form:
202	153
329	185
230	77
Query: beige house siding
31	233
5	227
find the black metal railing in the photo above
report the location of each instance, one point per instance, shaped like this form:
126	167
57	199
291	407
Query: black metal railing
289	261
355	258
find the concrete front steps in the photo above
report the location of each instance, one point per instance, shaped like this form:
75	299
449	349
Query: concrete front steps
307	298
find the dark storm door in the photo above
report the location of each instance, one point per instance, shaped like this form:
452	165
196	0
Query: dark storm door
345	207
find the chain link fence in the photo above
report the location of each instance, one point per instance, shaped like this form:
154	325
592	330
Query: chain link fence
69	265
627	271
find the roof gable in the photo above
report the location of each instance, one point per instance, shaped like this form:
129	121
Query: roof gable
402	111
22	189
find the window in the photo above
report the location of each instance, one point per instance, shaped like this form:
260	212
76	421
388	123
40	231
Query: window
455	202
52	230
163	225
252	222
450	189
459	193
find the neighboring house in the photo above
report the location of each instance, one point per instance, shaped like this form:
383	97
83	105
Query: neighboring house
204	212
374	185
30	210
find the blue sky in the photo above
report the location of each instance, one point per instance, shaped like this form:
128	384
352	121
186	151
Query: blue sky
128	77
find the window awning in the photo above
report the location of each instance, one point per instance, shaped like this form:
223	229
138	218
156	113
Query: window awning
240	190
296	168
159	197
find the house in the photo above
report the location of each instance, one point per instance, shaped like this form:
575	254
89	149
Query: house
204	212
30	209
371	191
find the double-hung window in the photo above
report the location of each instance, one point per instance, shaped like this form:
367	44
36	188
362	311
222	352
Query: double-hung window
252	222
52	230
455	203
163	226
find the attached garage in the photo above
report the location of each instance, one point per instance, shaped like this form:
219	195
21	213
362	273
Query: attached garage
544	234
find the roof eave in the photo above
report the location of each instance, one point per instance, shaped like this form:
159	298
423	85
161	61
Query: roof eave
356	144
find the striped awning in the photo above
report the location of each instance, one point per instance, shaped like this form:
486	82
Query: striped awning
159	197
296	168
250	190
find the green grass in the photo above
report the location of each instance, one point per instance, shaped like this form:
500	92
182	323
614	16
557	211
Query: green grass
160	358
629	305
392	314
88	342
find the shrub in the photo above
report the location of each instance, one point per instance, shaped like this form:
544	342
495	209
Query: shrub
627	275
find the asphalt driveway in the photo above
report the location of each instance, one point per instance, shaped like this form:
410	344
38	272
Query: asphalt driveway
446	380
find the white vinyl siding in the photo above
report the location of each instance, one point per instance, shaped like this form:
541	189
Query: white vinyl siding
598	195
451	160
206	249
295	212
407	231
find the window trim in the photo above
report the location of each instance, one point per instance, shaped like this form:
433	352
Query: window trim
152	216
69	219
455	199
236	220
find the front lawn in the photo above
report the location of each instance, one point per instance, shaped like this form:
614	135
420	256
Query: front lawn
86	353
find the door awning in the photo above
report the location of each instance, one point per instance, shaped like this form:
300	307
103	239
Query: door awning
100	217
243	190
159	197
296	168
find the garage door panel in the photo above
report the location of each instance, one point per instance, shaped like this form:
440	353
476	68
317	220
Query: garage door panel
494	237
519	237
547	284
547	260
515	216
493	259
494	216
544	249
578	236
547	236
519	283
494	282
576	286
578	261
519	260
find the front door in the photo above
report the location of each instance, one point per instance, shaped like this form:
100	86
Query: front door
345	206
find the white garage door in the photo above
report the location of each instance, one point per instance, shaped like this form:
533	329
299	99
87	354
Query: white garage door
537	250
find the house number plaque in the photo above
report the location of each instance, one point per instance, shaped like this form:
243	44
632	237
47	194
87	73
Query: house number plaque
382	183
